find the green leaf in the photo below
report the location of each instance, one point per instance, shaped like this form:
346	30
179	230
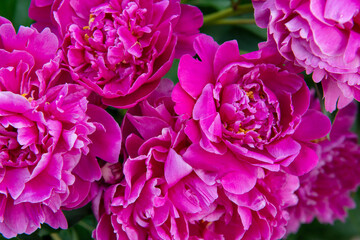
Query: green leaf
74	216
16	11
216	4
172	73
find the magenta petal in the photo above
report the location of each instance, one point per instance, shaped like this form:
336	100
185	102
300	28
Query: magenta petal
107	141
246	217
38	190
314	125
340	12
104	230
206	48
13	102
284	148
241	181
133	143
17	220
227	53
184	103
3	20
55	220
191	19
212	127
42	46
175	168
15	180
88	168
205	105
304	162
198	158
147	126
192	131
190	68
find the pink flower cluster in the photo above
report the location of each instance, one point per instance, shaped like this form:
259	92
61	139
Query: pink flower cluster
119	49
320	36
324	192
237	149
51	135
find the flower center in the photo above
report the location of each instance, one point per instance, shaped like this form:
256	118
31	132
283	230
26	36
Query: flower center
248	113
112	47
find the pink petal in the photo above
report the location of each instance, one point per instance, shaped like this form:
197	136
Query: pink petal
106	142
175	168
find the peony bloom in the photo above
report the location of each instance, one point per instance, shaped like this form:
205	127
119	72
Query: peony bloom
120	49
50	136
320	36
164	194
48	158
250	105
325	191
158	187
28	60
258	214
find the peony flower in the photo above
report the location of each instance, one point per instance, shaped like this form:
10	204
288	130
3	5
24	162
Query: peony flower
324	192
250	105
257	214
320	36
165	194
158	187
120	49
50	136
48	158
28	60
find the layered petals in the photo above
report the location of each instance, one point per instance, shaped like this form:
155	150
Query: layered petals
45	161
320	36
120	49
325	192
251	105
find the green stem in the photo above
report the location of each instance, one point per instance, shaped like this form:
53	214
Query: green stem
237	21
320	96
55	236
86	226
228	12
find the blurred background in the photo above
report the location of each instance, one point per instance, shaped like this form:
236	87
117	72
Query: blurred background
222	25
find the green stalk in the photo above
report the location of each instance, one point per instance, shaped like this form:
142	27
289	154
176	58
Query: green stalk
228	12
55	236
234	21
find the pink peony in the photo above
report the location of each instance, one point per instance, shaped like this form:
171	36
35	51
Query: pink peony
322	37
257	214
250	105
325	191
164	194
120	49
28	60
50	136
158	187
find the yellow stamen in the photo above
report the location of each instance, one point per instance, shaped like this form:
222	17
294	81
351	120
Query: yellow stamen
242	130
91	19
250	94
25	96
230	129
86	28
